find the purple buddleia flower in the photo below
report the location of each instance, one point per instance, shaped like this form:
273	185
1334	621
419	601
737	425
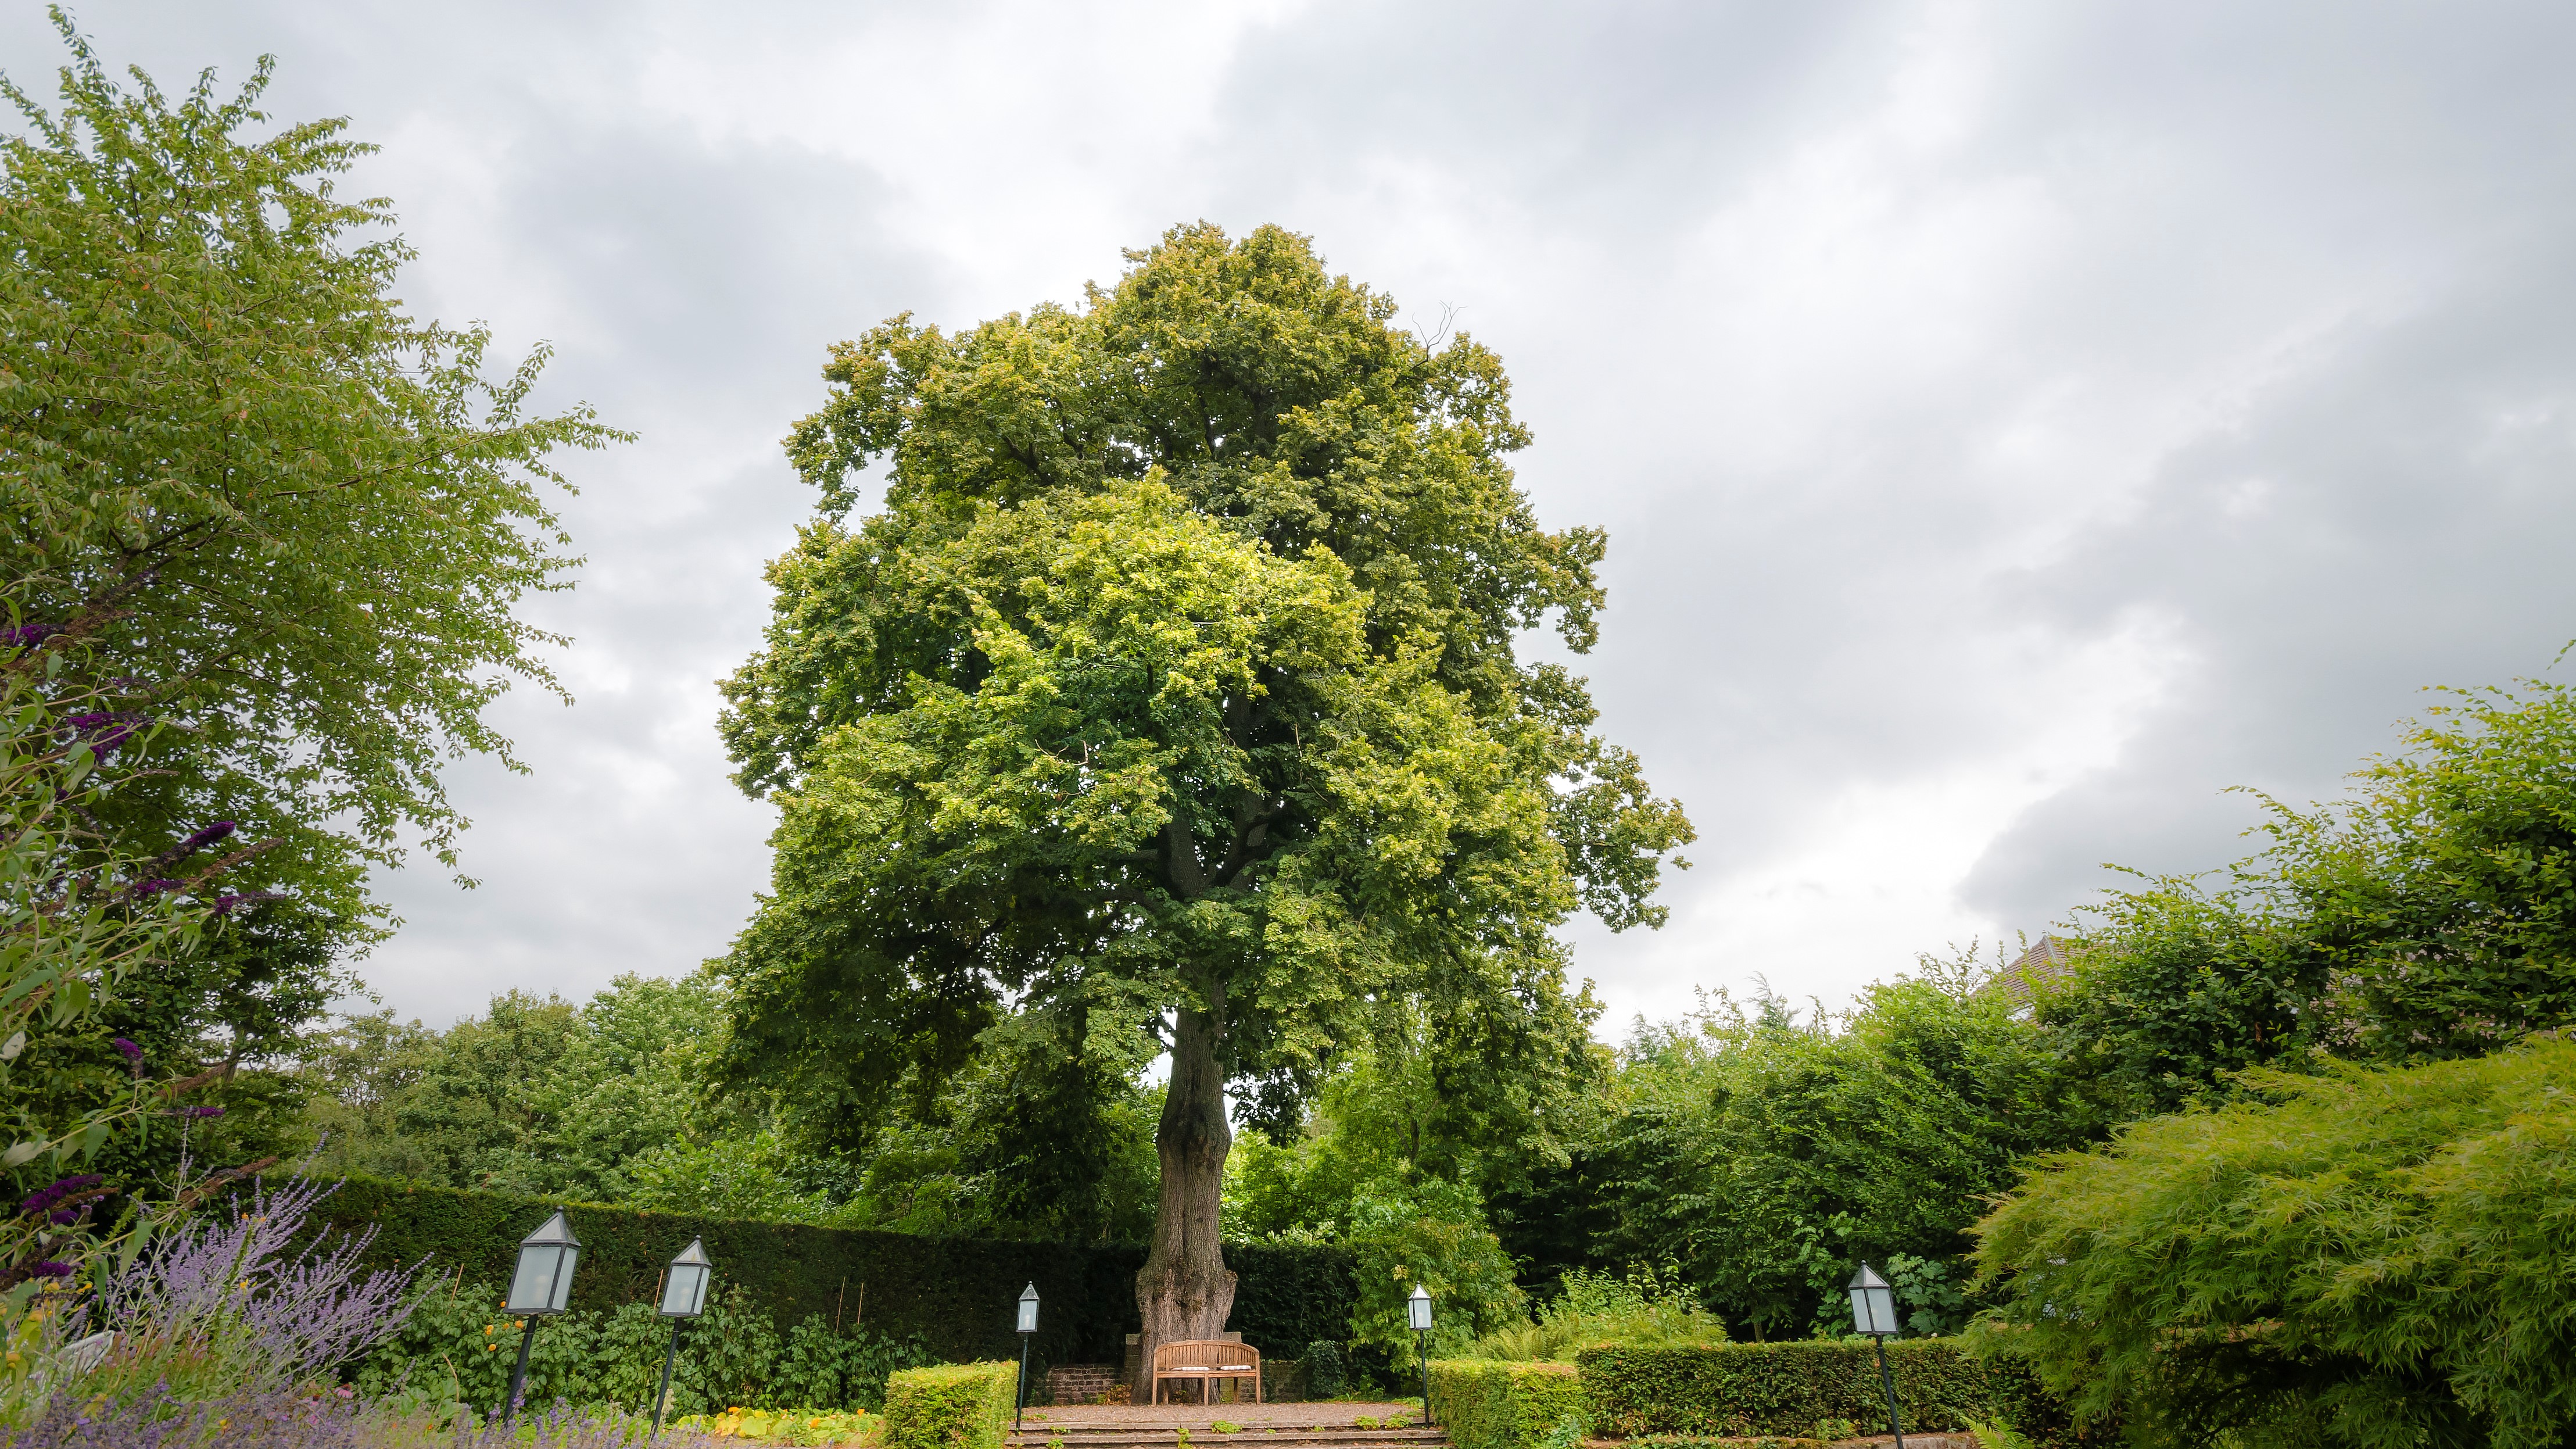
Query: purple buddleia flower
42	1200
26	635
207	836
205	1111
226	904
107	729
51	1269
125	1047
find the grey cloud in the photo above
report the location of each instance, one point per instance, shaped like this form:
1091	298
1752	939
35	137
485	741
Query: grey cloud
2080	408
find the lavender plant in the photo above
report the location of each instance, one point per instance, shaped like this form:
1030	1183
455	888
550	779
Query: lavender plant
161	1418
237	1299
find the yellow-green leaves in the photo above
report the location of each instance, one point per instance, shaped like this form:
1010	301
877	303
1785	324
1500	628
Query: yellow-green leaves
1177	672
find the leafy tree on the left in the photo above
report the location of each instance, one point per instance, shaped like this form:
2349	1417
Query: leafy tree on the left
297	520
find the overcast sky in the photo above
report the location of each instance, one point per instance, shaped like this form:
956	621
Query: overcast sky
2015	425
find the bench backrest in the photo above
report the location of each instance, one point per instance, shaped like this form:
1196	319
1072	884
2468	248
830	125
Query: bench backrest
1206	1353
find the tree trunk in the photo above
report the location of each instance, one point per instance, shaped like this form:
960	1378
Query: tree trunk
1185	1290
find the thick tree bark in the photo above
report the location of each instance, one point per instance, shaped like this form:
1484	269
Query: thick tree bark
1185	1290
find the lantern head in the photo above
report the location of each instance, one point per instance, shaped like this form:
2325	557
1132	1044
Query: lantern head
543	1282
1873	1304
684	1289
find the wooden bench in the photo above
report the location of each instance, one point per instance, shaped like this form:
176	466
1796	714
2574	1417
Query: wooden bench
1206	1360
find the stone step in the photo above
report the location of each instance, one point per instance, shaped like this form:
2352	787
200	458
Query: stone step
1206	1437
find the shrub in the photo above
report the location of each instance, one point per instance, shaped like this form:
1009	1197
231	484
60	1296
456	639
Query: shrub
2385	1250
952	1406
1643	1310
1488	1404
1325	1375
1780	1388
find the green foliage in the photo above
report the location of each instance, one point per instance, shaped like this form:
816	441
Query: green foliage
2377	1256
1177	672
1432	1237
1326	1378
1485	1404
953	1406
1785	1389
458	1348
950	1297
1767	1157
1645	1309
86	931
204	383
603	1100
2428	915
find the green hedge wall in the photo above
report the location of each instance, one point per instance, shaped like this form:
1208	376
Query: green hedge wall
1745	1389
958	1294
1487	1404
954	1406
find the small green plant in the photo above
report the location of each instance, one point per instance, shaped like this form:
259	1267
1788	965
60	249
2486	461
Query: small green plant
1184	1436
1055	1441
1830	1430
1998	1436
1222	1427
1365	1421
1567	1433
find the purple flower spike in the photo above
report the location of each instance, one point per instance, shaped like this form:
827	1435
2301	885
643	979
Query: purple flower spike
207	836
127	1049
205	1111
51	1269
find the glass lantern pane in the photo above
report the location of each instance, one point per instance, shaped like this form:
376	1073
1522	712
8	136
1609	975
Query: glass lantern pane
682	1295
1882	1310
562	1294
532	1286
1028	1316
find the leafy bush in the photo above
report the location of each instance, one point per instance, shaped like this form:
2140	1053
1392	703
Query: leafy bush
2379	1256
1486	1404
1646	1309
953	1406
1326	1377
1781	1388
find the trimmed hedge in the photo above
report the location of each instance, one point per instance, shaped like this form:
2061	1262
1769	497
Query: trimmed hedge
1489	1404
953	1406
958	1294
1783	1389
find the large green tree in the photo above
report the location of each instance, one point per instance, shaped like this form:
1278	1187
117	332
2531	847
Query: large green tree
315	515
1174	689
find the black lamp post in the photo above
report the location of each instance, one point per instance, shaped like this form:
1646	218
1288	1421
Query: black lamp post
1417	1313
1874	1313
1028	1326
542	1285
684	1296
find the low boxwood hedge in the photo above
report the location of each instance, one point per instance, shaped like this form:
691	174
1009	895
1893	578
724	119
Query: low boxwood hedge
953	1406
1782	1389
1487	1404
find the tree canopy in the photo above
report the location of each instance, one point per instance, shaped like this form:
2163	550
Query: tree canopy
319	514
1177	674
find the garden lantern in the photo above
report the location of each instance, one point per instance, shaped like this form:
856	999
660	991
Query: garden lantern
684	1296
1417	1315
542	1285
1028	1325
1874	1313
